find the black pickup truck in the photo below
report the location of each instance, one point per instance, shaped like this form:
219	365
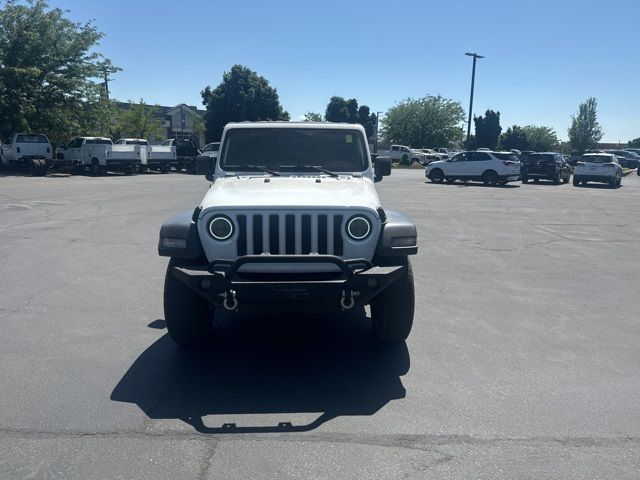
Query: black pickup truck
547	166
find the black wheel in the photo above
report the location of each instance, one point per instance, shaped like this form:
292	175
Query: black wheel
576	182
38	168
164	169
189	317
436	176
613	183
95	168
78	169
490	178
525	179
392	310
142	169
536	180
566	179
556	179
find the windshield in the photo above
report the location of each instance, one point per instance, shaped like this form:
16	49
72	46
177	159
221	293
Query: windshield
506	156
32	139
597	159
338	150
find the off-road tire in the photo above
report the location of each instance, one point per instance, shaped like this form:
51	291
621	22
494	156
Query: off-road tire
576	182
189	317
436	176
392	310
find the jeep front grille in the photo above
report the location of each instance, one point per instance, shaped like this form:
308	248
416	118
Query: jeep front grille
290	234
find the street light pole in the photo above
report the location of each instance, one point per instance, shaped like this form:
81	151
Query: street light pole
375	141
473	81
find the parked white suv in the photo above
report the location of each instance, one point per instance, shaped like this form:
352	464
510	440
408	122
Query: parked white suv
598	167
491	168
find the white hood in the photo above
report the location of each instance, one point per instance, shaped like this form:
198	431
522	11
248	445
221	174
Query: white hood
291	192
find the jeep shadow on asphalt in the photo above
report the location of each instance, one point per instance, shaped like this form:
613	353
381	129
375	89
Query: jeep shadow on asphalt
320	367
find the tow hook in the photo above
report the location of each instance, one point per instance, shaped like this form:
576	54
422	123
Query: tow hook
348	305
230	302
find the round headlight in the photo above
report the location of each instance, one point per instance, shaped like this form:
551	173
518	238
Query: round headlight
220	227
358	228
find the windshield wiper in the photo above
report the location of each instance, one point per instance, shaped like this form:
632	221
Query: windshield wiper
313	167
244	166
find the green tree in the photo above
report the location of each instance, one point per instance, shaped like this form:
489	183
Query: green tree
48	67
514	138
312	117
585	131
542	139
431	121
635	143
341	110
488	129
243	95
141	121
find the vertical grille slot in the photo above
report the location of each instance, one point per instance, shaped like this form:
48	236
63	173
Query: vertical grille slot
290	233
257	234
242	235
306	234
274	234
322	234
337	235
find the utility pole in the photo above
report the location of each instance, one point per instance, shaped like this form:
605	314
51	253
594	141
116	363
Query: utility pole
473	81
375	140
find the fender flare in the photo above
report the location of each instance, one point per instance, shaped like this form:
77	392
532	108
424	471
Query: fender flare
399	236
179	236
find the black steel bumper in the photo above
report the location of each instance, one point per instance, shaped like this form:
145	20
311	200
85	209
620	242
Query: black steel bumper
223	285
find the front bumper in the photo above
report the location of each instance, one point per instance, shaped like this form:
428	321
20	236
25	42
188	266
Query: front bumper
223	284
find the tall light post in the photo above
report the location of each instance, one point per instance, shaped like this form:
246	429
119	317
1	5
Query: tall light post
473	81
375	140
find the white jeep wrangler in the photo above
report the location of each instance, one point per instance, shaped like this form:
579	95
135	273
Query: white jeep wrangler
292	221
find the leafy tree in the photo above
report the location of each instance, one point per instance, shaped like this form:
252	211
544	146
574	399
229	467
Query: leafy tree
312	117
514	137
243	95
541	139
585	131
141	121
431	121
635	143
487	129
341	110
48	64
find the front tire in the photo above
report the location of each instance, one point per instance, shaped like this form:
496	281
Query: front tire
436	176
189	317
392	310
576	182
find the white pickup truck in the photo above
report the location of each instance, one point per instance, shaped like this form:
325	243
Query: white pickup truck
31	150
405	155
100	155
153	157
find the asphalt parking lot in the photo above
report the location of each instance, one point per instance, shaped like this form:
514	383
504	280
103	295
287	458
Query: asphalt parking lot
524	361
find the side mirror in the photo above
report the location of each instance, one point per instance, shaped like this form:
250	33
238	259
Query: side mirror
382	168
205	166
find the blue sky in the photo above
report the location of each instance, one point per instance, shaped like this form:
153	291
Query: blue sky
542	57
